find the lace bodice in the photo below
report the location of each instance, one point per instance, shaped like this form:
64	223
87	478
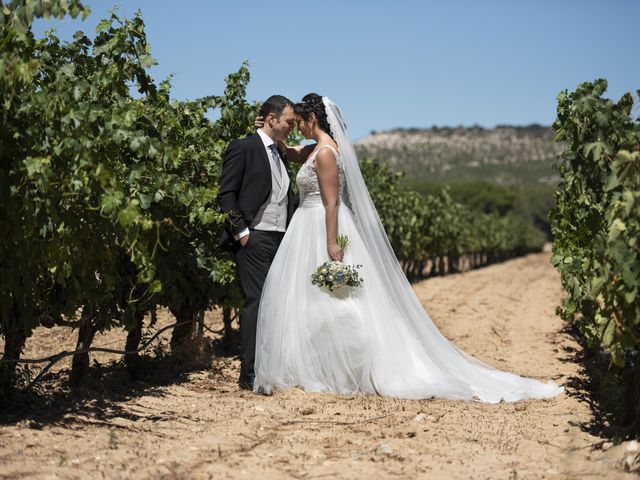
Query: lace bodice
307	178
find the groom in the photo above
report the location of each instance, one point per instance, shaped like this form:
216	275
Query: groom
256	195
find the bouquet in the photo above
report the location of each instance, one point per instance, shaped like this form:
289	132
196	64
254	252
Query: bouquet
334	275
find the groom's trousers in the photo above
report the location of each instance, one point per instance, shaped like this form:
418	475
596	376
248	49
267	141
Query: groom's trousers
253	262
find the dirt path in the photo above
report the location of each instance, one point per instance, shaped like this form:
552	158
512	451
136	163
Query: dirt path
201	426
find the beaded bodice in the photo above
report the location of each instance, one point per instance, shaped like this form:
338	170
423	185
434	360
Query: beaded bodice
307	178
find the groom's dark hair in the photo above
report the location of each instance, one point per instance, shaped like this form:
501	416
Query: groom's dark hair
274	104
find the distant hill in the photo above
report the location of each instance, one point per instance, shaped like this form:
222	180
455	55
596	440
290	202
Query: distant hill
507	155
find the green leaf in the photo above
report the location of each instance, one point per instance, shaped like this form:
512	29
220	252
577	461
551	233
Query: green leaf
155	287
608	332
613	181
135	144
129	215
77	93
103	24
110	201
36	165
623	157
556	260
594	150
145	201
628	201
158	196
617	227
147	61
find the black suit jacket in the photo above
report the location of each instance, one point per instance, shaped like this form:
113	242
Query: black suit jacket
245	184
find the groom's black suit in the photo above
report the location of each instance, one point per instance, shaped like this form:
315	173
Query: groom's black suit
245	185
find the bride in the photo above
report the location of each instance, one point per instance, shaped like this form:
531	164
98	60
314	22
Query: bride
373	339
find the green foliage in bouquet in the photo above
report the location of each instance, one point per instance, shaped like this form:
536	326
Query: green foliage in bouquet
342	241
334	275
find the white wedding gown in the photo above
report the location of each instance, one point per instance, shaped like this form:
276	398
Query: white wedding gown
359	340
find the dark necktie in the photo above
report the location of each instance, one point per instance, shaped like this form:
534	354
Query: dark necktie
276	157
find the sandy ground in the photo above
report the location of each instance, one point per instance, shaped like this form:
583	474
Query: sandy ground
200	425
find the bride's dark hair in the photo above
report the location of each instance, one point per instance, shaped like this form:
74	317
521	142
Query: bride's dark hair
312	103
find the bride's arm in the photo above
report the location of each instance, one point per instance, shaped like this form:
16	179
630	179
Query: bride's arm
327	170
298	153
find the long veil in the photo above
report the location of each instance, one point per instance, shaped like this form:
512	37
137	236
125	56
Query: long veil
461	369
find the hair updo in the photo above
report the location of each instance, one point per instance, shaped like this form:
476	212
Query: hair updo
312	103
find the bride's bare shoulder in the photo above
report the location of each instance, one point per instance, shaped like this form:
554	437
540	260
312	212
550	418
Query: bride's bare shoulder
326	158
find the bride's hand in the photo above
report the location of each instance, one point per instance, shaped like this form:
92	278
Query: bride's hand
259	122
335	252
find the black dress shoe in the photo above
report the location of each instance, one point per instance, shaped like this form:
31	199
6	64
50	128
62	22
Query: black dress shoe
246	383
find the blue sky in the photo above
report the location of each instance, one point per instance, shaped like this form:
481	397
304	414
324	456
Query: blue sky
392	63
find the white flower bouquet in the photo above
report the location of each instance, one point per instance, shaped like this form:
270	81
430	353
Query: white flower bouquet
334	275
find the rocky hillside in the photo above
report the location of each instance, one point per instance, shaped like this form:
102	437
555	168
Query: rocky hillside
505	154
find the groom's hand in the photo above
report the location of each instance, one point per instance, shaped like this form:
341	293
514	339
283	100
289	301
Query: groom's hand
243	241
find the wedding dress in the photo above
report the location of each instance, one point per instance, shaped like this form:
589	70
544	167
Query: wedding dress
374	339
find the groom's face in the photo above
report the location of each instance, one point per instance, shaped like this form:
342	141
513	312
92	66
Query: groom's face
281	126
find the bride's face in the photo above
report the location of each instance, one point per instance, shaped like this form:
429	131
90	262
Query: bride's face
305	126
